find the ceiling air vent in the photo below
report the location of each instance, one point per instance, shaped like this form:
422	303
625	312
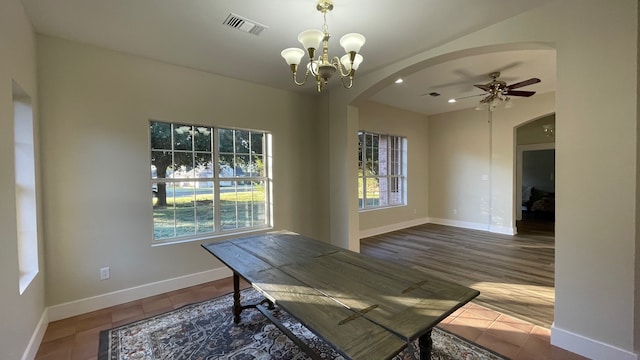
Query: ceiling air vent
244	24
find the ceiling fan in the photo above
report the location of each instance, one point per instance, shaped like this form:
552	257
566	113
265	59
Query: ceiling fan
498	90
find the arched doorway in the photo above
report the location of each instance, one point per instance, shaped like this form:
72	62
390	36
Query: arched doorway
535	176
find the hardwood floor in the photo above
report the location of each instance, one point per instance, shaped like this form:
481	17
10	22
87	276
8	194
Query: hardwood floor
514	274
76	338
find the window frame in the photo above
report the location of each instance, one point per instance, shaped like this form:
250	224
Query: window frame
25	187
216	178
394	173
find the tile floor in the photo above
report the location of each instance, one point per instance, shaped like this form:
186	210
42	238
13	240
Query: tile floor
76	338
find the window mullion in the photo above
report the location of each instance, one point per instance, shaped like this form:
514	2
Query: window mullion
217	221
173	188
193	183
388	175
364	190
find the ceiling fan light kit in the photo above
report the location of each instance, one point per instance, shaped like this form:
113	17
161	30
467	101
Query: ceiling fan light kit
497	91
324	66
548	129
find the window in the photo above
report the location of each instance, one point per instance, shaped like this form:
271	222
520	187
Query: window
207	181
381	170
25	187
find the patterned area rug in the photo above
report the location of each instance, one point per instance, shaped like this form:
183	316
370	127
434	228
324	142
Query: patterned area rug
205	331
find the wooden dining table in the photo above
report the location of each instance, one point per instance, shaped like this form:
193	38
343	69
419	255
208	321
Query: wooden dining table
365	308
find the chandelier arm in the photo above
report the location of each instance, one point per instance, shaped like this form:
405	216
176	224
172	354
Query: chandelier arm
341	70
295	80
347	86
317	62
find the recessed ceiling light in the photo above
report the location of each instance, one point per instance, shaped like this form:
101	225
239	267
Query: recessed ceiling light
399	81
451	100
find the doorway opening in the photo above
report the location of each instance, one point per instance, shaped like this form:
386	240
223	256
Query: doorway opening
535	178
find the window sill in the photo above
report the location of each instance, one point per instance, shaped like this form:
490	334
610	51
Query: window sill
220	236
381	208
26	279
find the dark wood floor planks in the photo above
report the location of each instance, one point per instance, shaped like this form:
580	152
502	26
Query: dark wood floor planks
514	274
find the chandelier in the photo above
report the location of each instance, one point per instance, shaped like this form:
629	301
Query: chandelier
324	67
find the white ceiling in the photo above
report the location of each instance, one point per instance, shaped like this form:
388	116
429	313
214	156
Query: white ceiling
191	33
455	79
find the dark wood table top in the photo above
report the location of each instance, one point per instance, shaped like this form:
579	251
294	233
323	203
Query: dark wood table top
365	307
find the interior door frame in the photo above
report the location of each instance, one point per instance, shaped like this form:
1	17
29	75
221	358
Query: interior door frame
520	149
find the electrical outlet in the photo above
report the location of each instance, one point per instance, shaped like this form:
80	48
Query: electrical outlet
105	273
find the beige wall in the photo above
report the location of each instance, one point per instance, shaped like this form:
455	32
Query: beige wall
96	105
19	314
472	164
459	170
596	154
533	132
384	119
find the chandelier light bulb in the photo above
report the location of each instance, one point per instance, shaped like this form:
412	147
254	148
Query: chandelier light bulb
313	67
346	61
508	103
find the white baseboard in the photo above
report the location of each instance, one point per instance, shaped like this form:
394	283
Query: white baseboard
393	227
460	224
502	230
587	347
77	307
474	226
36	338
448	222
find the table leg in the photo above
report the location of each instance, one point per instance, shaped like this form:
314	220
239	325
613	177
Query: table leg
237	308
425	343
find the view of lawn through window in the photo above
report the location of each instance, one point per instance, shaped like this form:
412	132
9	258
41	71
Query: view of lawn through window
191	197
381	170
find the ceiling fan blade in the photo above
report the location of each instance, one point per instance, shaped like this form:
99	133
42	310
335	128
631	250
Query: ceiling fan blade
470	96
519	93
483	87
508	67
523	83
